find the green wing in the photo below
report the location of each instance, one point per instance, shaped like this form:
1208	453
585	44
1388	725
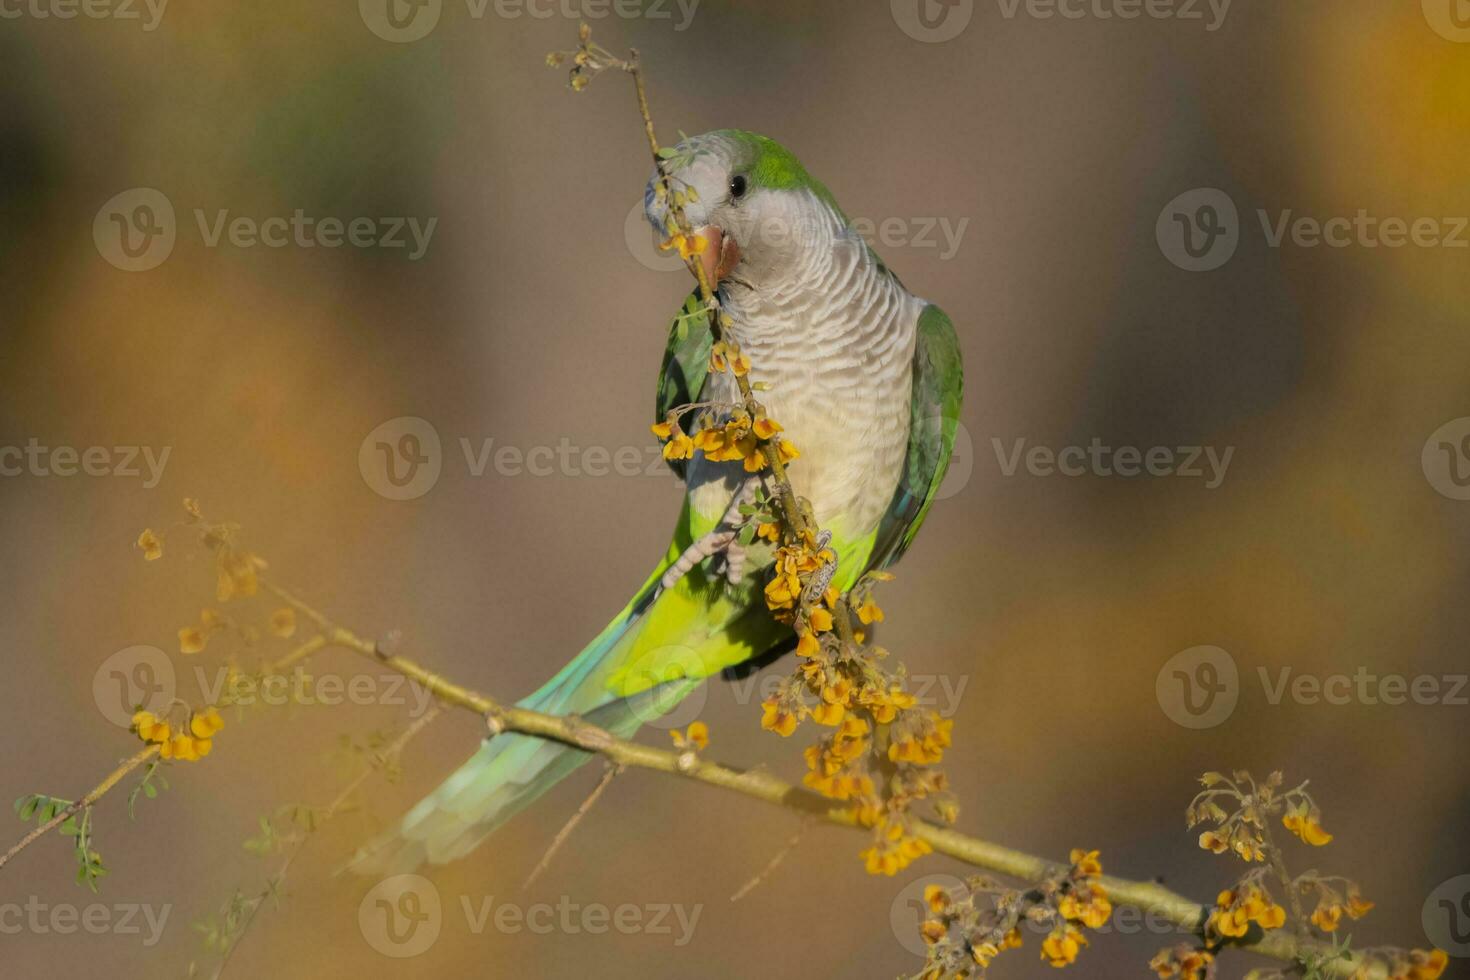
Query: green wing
935	411
686	363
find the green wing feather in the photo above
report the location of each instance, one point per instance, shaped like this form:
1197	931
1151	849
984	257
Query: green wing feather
938	391
686	363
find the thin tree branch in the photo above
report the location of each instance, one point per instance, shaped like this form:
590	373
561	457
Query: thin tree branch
96	794
571	825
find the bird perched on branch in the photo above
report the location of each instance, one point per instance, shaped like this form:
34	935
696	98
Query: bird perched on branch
865	378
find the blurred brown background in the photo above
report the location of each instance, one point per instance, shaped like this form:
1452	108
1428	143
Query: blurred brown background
529	320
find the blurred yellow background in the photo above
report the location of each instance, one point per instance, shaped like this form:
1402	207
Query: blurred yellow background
1048	604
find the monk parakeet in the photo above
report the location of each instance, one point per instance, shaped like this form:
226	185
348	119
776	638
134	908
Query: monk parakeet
866	379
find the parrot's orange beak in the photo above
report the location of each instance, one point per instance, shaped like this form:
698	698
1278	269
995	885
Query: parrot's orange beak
720	254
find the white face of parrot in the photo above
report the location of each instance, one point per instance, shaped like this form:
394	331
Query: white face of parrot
754	234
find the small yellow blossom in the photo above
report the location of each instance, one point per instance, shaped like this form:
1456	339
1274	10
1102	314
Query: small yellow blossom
206	723
1237	909
1085	863
776	719
688	246
151	545
869	612
150	728
1182	963
192	639
1092	910
1061	946
696	738
765	428
1305	824
828	714
283	623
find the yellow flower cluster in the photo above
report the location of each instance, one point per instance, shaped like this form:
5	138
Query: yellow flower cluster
792	564
1235	910
677	445
1182	963
829	759
984	952
738	440
921	739
894	849
1085	901
190	743
727	354
1062	944
1332	905
1416	964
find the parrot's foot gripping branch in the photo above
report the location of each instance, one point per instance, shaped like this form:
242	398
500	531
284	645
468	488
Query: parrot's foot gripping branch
722	540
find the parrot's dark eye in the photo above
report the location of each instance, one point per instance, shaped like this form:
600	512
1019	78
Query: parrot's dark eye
737	186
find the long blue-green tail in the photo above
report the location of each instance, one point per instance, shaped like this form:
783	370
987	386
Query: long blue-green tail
510	771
